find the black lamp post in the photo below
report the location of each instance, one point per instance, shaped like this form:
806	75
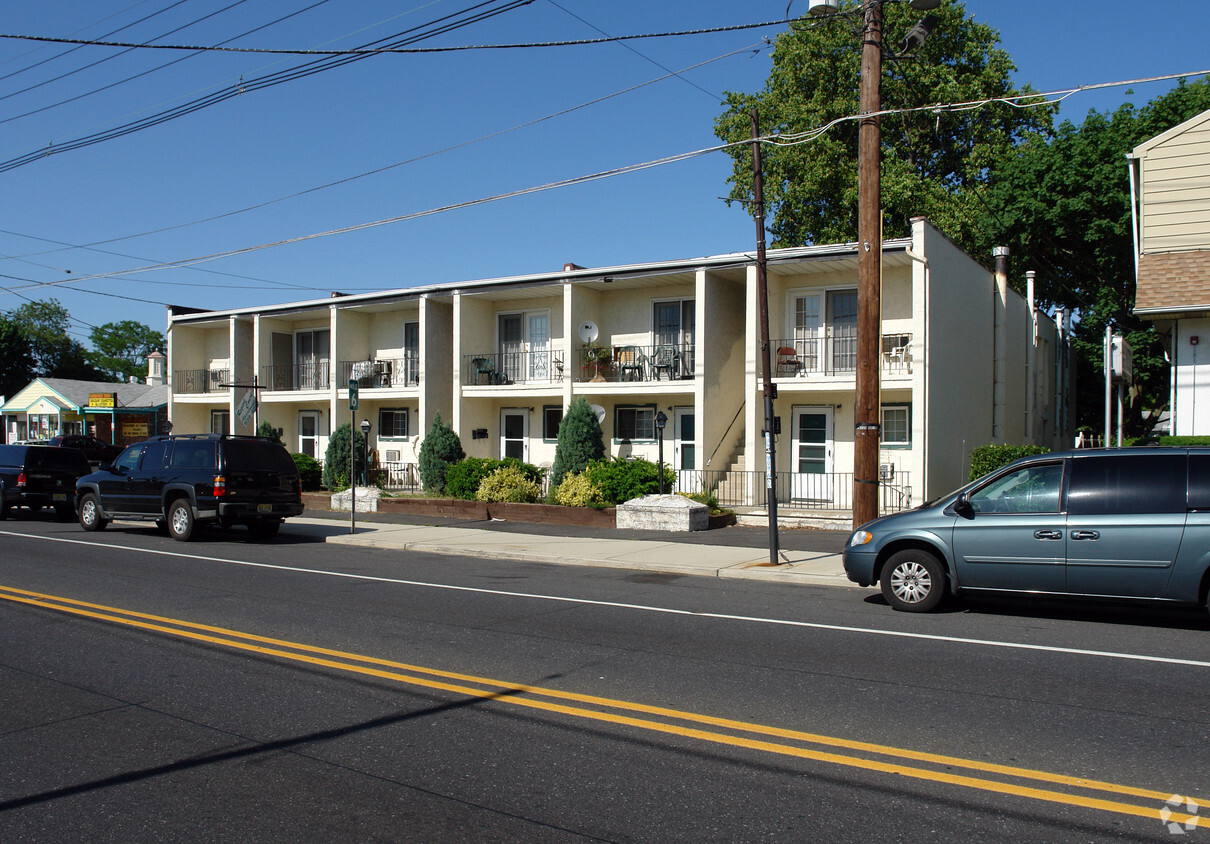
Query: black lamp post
365	465
661	419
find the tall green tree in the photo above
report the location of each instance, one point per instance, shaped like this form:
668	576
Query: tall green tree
56	355
120	349
1062	206
933	162
18	368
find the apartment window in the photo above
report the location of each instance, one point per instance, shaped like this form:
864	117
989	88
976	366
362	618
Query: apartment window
634	424
552	415
392	422
220	422
896	425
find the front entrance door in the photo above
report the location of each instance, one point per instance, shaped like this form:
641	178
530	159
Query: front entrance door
684	450
308	433
811	446
514	433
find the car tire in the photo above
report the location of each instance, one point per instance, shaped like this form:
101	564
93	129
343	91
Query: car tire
913	580
90	513
181	524
264	529
4	505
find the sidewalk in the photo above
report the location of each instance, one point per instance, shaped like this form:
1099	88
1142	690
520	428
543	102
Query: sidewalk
808	557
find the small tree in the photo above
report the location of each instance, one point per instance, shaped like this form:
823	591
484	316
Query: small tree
266	429
581	441
309	471
336	458
441	449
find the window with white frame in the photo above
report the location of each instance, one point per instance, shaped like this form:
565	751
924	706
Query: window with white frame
896	425
552	416
220	422
634	424
392	422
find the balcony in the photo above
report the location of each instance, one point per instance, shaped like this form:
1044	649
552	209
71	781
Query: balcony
200	380
300	376
662	362
801	358
542	367
381	372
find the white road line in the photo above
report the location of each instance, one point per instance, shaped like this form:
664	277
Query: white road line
990	643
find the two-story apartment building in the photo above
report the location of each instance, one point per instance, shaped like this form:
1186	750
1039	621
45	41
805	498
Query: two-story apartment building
964	361
1170	186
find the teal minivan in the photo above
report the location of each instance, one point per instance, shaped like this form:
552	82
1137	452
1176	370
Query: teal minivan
1113	523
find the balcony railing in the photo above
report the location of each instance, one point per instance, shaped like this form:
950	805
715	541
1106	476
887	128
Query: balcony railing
299	376
200	380
542	367
795	490
661	362
804	357
381	372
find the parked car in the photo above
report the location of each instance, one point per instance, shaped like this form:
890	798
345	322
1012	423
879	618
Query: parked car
96	450
1115	523
37	476
183	482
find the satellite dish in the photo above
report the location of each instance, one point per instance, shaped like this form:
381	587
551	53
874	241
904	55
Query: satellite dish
598	410
588	331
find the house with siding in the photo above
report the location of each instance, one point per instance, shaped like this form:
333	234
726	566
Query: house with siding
965	361
1170	193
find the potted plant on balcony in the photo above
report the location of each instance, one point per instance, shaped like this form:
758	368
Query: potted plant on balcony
599	358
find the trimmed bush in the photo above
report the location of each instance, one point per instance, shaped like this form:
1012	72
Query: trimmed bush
440	450
463	478
508	483
266	429
622	480
336	458
578	491
309	470
989	458
581	441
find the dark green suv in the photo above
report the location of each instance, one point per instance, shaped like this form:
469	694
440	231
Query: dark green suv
181	482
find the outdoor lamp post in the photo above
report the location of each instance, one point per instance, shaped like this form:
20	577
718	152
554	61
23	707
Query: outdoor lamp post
365	464
661	419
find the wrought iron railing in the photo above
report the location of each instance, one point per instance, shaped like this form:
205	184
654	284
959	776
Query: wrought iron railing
381	372
541	367
661	362
804	357
794	490
301	376
200	380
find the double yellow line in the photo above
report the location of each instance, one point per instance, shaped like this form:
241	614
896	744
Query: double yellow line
984	776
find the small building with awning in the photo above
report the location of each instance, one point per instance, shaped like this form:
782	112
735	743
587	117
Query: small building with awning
116	412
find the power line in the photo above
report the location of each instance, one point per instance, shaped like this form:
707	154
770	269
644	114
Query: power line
202	48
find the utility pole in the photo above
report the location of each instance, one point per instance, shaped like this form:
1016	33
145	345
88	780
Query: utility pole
762	296
869	269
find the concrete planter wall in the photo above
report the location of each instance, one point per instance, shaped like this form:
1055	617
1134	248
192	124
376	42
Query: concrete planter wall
456	508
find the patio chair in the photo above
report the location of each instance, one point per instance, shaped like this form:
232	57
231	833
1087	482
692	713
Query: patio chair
487	368
632	363
665	359
788	363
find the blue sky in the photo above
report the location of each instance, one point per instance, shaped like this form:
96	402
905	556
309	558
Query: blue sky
381	111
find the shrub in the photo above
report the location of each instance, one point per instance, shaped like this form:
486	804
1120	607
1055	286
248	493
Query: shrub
508	483
440	450
266	429
621	480
309	470
989	458
463	478
336	458
580	441
578	491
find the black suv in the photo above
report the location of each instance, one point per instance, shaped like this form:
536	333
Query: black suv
37	476
181	482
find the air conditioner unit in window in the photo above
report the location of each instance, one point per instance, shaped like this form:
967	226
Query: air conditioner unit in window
392	456
886	471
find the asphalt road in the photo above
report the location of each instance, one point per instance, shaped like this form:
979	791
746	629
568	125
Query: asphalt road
227	690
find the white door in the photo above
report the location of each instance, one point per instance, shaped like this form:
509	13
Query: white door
811	478
684	450
308	433
514	433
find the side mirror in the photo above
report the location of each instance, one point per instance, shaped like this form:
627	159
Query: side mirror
963	507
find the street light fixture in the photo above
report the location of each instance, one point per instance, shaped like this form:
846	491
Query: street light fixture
661	419
365	444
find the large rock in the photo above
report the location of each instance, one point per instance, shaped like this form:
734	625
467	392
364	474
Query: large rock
663	512
367	499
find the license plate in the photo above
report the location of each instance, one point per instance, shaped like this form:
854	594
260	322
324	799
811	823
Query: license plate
59	496
264	508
